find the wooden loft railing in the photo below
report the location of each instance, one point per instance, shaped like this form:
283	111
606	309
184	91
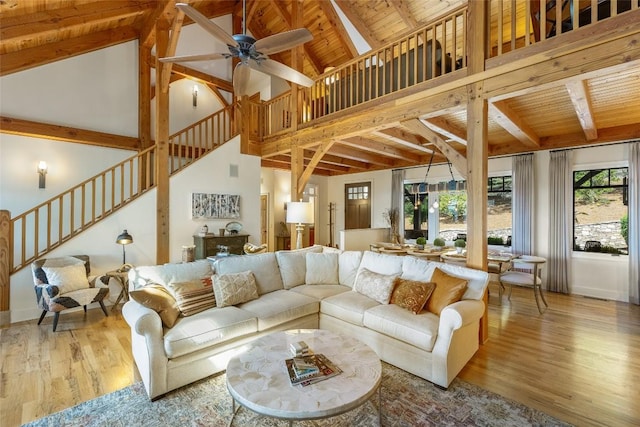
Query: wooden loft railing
47	226
511	25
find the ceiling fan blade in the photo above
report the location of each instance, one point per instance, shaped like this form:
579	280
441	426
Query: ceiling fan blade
241	76
278	69
187	58
282	41
204	22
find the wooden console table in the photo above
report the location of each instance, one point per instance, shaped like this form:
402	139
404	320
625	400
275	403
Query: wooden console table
208	245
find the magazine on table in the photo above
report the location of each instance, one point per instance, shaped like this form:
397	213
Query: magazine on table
324	369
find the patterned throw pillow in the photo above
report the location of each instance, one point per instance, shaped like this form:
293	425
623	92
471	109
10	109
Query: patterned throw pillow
449	289
374	285
234	288
67	279
411	294
193	296
158	299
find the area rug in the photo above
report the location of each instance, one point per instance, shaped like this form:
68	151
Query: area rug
407	400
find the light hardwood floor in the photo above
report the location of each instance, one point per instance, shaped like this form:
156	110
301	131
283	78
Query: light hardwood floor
579	361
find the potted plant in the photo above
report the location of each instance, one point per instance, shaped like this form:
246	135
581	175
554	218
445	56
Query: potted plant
421	241
460	245
439	243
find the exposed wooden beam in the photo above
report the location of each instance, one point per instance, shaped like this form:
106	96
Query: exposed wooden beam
222	84
360	155
377	147
313	162
24	59
268	163
176	28
581	99
65	133
339	161
392	134
457	160
514	124
444	127
405	14
163	10
348	9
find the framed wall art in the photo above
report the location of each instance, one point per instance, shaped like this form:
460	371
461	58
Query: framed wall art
204	205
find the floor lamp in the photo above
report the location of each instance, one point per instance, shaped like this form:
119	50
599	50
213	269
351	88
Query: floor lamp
299	213
124	239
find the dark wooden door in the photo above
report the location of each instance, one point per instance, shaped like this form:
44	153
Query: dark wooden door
357	201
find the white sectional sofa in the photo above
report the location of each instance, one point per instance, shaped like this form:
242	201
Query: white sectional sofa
311	288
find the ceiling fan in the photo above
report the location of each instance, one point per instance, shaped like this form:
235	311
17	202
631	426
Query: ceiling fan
253	54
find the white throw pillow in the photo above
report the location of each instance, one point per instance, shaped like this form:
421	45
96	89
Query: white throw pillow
234	288
292	268
67	279
322	269
375	285
348	264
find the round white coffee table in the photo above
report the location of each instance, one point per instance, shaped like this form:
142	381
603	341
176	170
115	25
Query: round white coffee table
258	380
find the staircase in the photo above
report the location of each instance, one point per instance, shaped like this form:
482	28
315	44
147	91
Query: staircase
47	226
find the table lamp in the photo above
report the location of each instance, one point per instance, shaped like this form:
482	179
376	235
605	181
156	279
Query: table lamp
299	213
124	239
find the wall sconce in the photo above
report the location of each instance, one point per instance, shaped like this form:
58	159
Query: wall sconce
124	239
42	171
195	96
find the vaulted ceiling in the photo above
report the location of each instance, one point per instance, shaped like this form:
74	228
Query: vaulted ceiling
603	107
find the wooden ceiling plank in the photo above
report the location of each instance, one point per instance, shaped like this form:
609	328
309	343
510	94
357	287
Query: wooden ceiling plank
344	150
267	163
512	123
52	52
336	23
457	160
338	161
581	99
444	127
32	129
405	14
376	147
48	24
347	8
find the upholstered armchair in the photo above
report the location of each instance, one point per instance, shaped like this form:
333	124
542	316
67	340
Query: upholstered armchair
62	283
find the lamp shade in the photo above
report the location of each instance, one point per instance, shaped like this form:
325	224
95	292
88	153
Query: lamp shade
124	238
299	212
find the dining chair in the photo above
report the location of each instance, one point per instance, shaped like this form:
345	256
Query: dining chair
526	271
452	259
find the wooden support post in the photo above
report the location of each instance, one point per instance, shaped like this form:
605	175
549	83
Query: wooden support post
6	265
477	150
244	121
162	144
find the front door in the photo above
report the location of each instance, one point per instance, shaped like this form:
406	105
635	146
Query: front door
357	202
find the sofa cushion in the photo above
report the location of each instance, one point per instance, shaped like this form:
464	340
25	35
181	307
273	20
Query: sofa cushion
158	299
279	307
375	285
264	268
418	330
208	328
234	288
348	263
449	289
145	275
411	294
322	269
320	292
293	267
193	296
381	263
186	271
414	268
347	306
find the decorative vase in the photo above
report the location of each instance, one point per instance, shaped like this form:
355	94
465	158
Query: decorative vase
222	231
459	249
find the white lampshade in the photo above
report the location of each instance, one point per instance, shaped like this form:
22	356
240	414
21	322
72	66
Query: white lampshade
299	212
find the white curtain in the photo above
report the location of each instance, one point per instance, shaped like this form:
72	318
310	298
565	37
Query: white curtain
560	221
523	190
397	198
634	222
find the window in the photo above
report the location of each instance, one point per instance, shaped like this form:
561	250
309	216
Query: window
499	218
600	213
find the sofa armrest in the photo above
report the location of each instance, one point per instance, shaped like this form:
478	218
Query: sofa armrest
142	320
459	314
